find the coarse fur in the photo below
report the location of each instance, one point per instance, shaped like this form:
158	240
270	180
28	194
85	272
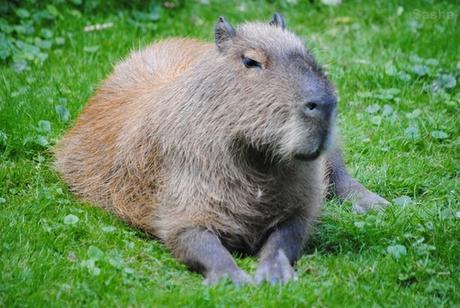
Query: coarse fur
184	135
148	148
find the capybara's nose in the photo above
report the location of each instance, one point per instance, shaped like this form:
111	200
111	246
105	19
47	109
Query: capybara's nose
320	108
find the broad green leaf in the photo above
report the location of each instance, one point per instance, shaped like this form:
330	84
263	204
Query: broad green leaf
91	49
448	214
22	13
412	132
44	126
45	44
415	58
414	114
404	76
439	134
373	108
420	69
402	200
94	270
63	113
59	40
115	259
71	219
108	229
443	81
155	12
95	253
387	110
41	140
28	49
396	251
432	62
359	224
46	33
390	69
5	47
376	120
391	91
52	10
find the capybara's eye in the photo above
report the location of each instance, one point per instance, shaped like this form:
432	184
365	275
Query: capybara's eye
250	63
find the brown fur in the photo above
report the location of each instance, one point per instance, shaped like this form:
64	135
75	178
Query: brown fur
182	135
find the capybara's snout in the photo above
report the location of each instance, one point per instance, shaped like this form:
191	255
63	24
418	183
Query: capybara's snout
323	108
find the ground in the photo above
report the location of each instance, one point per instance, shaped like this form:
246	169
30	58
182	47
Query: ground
396	65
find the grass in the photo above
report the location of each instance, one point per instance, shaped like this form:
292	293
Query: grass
396	66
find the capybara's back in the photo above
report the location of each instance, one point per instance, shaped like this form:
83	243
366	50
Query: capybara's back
91	157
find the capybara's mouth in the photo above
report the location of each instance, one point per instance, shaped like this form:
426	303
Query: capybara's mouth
314	152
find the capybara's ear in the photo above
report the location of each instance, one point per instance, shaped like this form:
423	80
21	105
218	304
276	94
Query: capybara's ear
278	21
223	31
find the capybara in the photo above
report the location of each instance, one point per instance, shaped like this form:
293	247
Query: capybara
215	148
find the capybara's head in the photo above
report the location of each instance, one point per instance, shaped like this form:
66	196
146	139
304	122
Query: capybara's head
270	91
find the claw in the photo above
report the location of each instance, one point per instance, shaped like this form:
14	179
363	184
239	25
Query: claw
367	200
237	277
275	269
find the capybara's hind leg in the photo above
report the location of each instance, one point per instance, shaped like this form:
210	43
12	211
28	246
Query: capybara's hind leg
281	250
202	251
347	188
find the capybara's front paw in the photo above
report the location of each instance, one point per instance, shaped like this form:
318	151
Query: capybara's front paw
366	200
275	269
236	276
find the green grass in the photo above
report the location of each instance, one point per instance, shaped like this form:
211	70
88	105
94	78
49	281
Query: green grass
407	256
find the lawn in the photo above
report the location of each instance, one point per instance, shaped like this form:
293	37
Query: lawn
396	65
